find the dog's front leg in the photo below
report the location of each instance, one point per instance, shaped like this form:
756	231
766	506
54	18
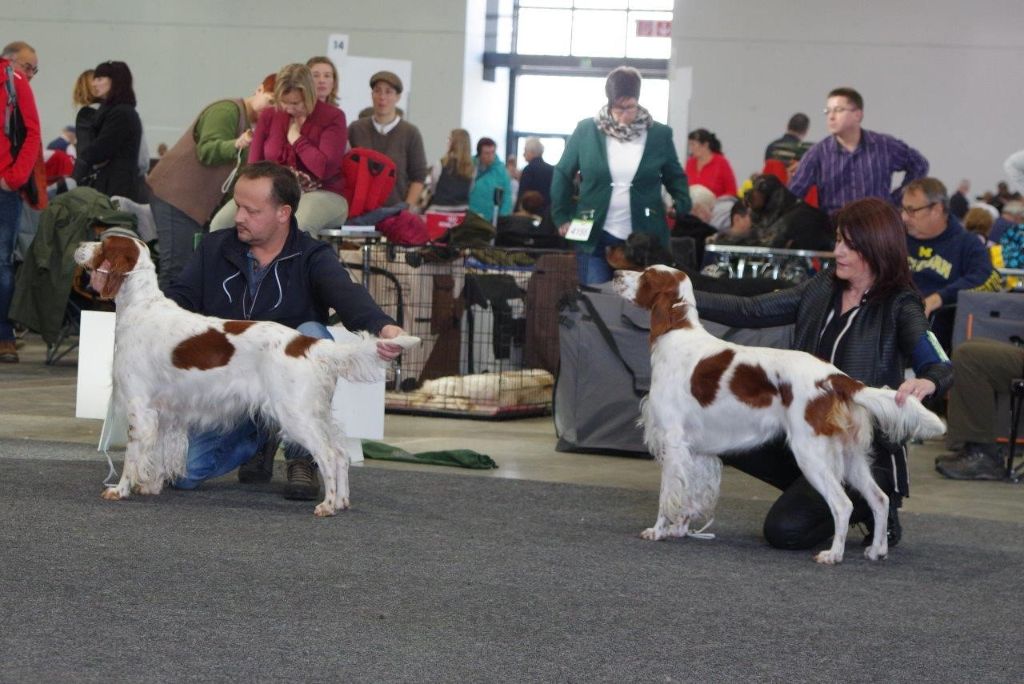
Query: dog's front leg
138	470
671	522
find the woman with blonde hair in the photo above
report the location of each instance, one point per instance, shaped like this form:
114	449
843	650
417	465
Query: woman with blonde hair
325	78
83	97
309	137
454	174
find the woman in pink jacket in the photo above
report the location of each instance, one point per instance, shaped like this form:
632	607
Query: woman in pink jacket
308	136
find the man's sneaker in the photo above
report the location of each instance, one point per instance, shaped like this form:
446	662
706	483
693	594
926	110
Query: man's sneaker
303	481
8	352
260	468
974	464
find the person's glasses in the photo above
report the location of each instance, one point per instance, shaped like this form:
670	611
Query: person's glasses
910	211
625	110
30	69
837	110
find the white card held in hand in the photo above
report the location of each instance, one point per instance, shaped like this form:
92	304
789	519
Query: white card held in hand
579	229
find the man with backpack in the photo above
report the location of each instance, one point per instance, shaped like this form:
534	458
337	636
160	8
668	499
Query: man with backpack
20	146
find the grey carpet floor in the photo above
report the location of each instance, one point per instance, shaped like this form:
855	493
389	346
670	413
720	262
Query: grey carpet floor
442	578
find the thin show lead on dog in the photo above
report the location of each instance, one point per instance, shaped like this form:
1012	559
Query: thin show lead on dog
710	397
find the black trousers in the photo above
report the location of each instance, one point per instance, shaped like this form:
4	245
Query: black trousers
800	518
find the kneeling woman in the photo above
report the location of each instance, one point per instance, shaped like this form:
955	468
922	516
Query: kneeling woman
309	137
864	316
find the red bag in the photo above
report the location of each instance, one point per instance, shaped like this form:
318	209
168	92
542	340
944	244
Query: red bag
369	179
404	228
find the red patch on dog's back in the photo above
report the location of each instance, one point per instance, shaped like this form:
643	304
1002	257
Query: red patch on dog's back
828	414
237	327
707	375
204	351
299	346
751	386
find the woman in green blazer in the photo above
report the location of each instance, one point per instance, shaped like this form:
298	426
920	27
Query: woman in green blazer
623	158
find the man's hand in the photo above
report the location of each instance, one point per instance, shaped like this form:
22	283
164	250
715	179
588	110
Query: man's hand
389	352
931	303
916	387
5	186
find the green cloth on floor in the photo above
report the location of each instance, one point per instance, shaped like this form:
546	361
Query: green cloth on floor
460	458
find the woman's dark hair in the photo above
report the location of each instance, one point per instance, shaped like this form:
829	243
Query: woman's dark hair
484	142
532	201
120	76
622	82
738	209
703	135
873	228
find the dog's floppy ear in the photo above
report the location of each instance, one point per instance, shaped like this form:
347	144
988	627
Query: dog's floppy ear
617	259
120	254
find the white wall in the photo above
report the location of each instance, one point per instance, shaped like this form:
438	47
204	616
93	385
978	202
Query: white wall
484	103
186	53
943	75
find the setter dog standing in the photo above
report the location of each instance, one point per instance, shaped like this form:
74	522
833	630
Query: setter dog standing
710	397
176	371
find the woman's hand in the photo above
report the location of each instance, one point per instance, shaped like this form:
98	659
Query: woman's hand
295	128
243	141
916	387
563	229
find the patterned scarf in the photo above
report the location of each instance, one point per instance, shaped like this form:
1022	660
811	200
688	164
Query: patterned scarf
624	132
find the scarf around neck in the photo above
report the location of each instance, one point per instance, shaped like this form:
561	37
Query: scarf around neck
624	132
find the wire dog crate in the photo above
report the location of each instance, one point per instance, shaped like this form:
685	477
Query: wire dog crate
488	319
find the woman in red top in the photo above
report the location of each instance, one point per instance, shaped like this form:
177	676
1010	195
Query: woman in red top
707	165
308	136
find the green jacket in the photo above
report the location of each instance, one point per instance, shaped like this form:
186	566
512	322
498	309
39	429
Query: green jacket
44	280
587	153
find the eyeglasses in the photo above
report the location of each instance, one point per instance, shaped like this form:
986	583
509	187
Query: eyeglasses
29	68
910	211
625	110
837	110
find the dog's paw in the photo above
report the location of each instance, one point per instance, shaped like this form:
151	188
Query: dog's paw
111	494
873	554
323	510
652	534
148	489
829	557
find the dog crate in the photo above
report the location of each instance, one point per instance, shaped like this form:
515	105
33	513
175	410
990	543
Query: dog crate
488	319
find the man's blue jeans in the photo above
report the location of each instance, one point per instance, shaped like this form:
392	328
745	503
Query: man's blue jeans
10	215
216	453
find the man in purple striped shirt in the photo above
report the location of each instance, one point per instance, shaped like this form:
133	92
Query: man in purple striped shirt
854	162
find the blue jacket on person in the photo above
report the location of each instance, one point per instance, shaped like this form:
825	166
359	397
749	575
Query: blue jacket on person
304	281
481	195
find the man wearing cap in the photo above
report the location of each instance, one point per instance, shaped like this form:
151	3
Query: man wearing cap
387	132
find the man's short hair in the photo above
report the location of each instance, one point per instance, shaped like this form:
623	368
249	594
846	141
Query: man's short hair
933	190
484	142
850	94
284	186
14	49
534	146
799	123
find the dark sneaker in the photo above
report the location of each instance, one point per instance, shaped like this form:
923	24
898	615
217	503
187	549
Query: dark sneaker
974	465
303	481
260	468
8	352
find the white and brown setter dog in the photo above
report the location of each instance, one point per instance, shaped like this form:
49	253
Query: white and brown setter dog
176	371
710	397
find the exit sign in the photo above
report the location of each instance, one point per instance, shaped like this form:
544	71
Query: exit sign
649	28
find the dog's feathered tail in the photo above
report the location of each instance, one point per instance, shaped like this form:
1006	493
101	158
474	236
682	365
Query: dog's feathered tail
357	361
900	423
